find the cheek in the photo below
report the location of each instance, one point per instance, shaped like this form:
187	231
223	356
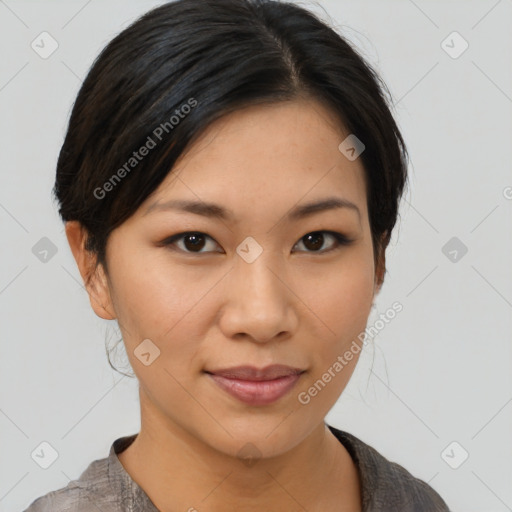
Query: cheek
340	296
340	303
156	301
164	307
166	302
341	307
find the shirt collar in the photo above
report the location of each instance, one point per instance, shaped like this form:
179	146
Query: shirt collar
133	498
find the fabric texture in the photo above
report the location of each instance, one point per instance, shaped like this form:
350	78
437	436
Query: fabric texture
105	486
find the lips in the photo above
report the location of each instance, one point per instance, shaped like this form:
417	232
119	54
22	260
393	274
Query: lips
255	386
252	373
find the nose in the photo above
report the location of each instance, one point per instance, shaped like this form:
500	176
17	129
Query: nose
259	303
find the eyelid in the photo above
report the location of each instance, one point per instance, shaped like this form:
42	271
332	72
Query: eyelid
169	242
341	241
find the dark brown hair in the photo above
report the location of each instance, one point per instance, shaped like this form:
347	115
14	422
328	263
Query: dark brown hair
223	55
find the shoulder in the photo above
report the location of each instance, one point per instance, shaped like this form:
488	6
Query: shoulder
81	495
387	484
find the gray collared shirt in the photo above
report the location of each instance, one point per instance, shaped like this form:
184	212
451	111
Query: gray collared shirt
105	486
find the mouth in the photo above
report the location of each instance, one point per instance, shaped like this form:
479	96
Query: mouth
256	386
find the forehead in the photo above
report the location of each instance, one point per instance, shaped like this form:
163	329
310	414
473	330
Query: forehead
266	158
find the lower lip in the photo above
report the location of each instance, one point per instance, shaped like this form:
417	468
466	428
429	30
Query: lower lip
257	392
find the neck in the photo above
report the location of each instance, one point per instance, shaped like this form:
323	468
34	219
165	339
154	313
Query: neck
180	472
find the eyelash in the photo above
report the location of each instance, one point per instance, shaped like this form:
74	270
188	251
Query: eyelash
341	241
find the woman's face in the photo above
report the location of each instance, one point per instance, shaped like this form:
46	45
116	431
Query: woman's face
252	288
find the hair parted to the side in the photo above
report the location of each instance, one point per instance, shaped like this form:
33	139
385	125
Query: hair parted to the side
224	55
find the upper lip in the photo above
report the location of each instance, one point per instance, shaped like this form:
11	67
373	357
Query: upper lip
271	372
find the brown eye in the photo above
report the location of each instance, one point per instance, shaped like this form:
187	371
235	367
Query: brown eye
191	242
314	241
194	242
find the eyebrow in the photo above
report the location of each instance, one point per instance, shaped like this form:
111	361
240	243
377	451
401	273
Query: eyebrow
216	211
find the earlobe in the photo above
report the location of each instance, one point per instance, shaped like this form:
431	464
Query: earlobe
94	278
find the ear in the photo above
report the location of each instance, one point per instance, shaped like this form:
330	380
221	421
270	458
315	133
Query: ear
380	269
95	280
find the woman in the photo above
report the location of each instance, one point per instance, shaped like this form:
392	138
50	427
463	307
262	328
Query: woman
230	180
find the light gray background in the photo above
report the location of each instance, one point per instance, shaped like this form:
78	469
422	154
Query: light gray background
442	369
